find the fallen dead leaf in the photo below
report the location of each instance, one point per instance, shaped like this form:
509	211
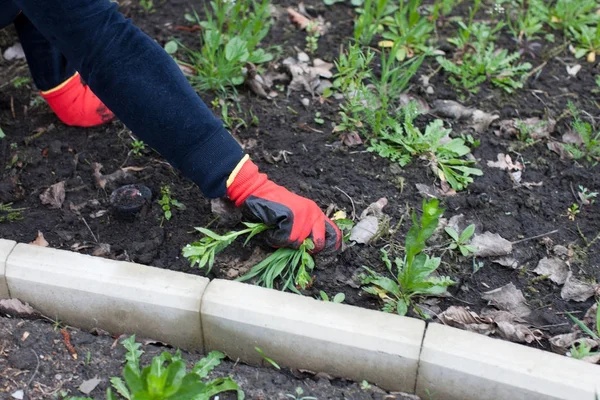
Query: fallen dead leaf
375	208
559	149
306	77
54	196
577	290
102	250
491	245
481	121
508	261
350	139
536	127
562	343
460	317
14	52
16	308
39	240
118	175
508	298
505	162
452	109
518	333
554	268
406	98
364	230
87	386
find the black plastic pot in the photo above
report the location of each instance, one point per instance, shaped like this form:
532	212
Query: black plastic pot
128	200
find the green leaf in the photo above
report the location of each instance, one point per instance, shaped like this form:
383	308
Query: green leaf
580	53
323	295
171	47
237	50
267	359
386	284
584	327
401	307
259	56
452	233
221	385
133	354
208	363
175	374
339	298
2	134
110	395
120	387
133	379
467	233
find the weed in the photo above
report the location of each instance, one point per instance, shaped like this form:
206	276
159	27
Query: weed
486	62
312	38
203	252
2	134
344	224
364	385
587	41
230	118
407	30
413	273
229	39
318	119
401	142
585	328
338	298
590	147
367	25
137	148
166	201
298	395
167	377
460	241
581	350
585	196
147	5
525	19
10	214
20	81
567	14
267	359
573	211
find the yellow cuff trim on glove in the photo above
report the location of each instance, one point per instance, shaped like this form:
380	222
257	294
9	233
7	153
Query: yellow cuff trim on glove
237	169
61	85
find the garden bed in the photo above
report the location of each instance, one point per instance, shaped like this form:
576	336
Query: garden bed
319	167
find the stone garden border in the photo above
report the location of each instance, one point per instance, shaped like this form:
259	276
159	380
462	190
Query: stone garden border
396	353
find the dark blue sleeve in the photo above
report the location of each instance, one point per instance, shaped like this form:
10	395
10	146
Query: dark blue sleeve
141	84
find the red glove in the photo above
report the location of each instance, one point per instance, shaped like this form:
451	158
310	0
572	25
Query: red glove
76	105
295	218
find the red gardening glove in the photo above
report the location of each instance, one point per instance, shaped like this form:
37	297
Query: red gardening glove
76	105
295	218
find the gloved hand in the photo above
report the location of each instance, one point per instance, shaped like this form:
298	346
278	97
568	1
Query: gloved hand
76	105
293	217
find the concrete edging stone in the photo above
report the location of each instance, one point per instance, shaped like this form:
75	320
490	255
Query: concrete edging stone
396	353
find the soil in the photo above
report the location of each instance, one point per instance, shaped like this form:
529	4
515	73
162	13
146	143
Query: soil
34	358
322	169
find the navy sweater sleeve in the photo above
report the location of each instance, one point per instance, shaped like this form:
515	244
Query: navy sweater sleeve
141	84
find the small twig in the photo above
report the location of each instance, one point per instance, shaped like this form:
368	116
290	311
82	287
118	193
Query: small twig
535	237
351	201
90	229
36	369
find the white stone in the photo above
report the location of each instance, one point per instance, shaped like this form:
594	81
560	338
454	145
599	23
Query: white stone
461	365
301	332
119	297
6	246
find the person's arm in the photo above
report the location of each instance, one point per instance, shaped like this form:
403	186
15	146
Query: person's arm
144	88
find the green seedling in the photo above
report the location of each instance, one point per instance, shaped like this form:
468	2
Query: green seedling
413	272
298	395
267	359
147	5
338	298
486	62
407	30
459	241
203	252
525	20
368	23
587	41
167	378
581	350
312	37
10	214
167	201
573	211
585	328
585	196
318	119
364	385
230	38
137	148
401	142
20	81
567	14
344	224
590	147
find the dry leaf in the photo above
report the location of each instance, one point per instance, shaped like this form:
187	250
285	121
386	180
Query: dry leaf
350	139
14	52
536	127
102	250
87	386
375	208
508	261
406	98
480	121
556	269
452	109
505	162
16	308
54	196
364	230
298	18
491	245
117	176
577	290
433	191
39	240
559	149
518	333
562	343
508	298
460	317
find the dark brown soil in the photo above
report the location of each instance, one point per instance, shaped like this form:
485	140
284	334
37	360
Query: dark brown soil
320	169
34	358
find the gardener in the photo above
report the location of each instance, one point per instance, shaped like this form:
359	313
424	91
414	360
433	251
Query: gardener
144	87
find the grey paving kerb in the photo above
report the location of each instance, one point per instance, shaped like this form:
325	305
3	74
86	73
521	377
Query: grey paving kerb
396	353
